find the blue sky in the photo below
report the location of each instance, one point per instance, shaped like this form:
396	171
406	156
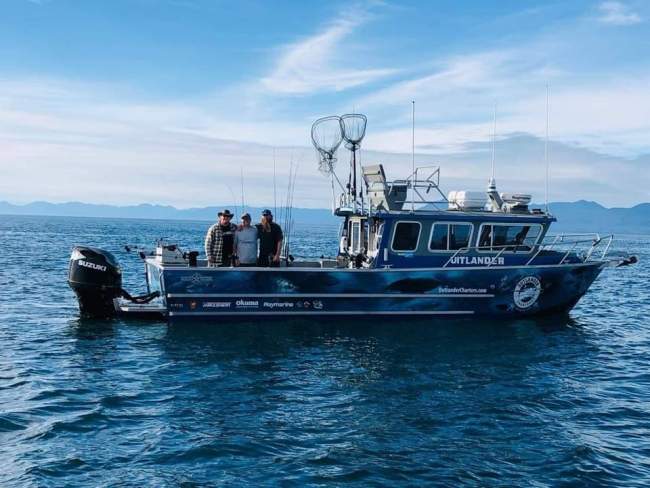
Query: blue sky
179	94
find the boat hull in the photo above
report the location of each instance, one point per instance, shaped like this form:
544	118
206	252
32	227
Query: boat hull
210	293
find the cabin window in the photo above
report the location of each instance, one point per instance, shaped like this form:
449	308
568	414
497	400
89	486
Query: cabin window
406	236
514	238
450	236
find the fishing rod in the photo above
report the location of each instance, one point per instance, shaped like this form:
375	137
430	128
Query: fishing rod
275	193
290	218
243	205
286	210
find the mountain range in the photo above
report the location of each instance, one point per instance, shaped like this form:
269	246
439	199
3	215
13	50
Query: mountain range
580	216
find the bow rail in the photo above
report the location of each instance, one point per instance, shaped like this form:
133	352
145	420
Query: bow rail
564	244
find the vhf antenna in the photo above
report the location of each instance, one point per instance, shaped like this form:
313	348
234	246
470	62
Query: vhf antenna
413	156
546	150
494	143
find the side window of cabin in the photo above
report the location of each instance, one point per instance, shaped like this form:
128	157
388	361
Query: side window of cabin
530	239
509	237
459	236
406	236
439	237
450	237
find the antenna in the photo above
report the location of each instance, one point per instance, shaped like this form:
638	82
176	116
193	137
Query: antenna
353	128
546	150
494	142
495	199
413	155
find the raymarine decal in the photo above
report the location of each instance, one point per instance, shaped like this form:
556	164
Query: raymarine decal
86	264
527	292
274	305
477	260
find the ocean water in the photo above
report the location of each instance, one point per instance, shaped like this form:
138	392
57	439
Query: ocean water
544	402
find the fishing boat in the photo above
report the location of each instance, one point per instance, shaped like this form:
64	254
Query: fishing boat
406	248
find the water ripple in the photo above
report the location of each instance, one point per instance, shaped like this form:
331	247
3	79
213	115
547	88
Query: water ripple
548	402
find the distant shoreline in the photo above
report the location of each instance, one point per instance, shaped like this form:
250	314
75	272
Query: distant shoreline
580	216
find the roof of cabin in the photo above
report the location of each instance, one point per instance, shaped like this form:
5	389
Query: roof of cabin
459	215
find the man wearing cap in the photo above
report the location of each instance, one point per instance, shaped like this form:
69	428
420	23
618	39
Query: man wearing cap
219	241
246	243
270	240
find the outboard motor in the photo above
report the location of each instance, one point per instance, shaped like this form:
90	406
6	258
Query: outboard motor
96	279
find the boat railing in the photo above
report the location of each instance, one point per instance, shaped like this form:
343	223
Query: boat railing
564	244
421	182
572	243
418	185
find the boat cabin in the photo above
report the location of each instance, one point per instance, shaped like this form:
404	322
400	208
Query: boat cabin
440	239
461	229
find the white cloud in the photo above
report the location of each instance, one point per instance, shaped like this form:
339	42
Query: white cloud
102	143
317	63
616	13
69	141
460	72
92	143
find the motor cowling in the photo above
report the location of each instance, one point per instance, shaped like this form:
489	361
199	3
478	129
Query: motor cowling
96	278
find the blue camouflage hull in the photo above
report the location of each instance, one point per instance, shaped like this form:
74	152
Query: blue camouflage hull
208	293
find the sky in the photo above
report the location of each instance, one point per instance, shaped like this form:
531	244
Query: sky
172	101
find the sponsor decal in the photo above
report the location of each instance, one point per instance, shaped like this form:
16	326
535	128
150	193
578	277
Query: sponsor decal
280	305
461	290
477	260
86	264
241	303
306	304
196	279
217	304
193	305
527	292
176	305
318	305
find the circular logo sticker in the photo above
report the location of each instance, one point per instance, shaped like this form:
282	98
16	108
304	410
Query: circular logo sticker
527	292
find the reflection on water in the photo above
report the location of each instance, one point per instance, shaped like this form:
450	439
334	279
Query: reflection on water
555	400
